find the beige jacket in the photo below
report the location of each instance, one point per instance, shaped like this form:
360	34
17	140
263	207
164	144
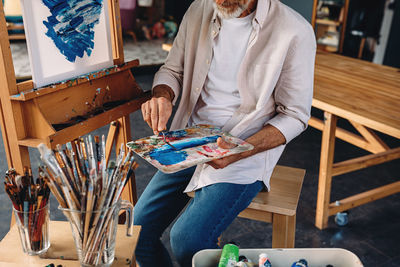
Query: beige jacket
275	78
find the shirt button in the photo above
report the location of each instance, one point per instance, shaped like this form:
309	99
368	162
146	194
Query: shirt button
214	32
197	90
208	62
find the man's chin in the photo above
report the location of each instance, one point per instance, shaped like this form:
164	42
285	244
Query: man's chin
227	14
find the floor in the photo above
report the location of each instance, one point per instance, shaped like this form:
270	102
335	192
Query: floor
373	229
148	53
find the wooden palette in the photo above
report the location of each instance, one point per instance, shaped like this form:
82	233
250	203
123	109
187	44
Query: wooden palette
191	146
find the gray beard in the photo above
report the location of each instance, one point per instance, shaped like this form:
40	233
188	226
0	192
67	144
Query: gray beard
224	14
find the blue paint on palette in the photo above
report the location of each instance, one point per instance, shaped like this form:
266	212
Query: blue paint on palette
166	155
176	134
71	25
170	157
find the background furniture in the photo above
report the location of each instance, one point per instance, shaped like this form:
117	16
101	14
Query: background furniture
364	26
392	55
368	96
13	14
279	205
329	21
62	249
128	17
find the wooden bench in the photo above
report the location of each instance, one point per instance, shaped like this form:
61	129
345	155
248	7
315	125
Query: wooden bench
279	205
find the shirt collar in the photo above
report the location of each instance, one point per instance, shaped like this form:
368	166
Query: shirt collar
215	17
262	11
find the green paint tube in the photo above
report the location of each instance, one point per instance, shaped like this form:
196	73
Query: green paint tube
229	256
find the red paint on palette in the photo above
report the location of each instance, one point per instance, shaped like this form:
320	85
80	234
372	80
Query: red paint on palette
207	148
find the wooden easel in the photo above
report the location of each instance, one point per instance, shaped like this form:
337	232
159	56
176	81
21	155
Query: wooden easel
28	116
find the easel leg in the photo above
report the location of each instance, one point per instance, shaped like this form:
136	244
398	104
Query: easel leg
283	231
112	132
17	156
5	137
325	170
120	133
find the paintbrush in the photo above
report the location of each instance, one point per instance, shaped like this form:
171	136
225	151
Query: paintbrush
103	161
75	167
98	153
28	199
168	143
99	190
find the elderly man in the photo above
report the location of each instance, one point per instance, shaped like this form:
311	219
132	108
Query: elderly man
246	66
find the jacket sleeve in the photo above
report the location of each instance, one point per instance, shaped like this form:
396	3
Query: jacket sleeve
171	73
294	90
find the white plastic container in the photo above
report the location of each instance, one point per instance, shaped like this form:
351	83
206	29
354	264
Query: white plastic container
316	257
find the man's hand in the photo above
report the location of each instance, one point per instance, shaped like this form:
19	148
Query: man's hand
223	162
158	109
268	137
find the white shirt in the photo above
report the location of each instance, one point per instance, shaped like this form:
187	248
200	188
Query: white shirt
275	78
220	97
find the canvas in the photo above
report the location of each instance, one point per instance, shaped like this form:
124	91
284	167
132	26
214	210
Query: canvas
186	147
66	38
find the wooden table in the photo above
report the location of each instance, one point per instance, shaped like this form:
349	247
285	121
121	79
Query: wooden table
368	96
62	249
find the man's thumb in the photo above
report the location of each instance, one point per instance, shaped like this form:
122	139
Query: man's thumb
222	143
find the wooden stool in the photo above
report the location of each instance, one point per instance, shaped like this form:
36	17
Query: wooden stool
279	205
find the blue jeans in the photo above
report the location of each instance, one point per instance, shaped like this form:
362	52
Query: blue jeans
208	214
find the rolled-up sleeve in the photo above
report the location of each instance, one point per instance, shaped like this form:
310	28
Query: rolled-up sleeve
294	90
171	73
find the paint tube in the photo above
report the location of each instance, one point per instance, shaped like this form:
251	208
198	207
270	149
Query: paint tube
263	260
229	256
300	263
245	262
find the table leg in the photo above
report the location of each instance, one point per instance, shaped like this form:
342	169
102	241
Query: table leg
283	231
325	170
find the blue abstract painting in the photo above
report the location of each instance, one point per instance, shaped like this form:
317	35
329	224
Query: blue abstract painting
71	25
